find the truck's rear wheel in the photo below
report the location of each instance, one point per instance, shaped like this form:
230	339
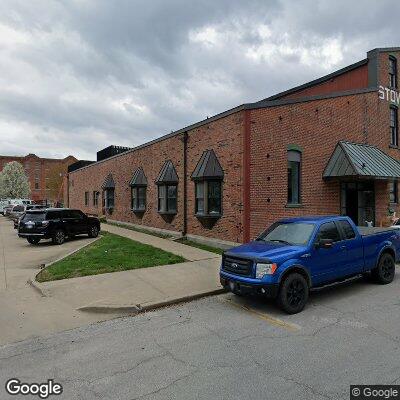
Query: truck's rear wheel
293	294
385	271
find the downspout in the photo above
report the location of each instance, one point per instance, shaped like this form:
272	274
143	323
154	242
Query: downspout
246	175
185	177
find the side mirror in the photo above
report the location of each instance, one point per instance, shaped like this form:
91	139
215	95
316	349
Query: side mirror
325	243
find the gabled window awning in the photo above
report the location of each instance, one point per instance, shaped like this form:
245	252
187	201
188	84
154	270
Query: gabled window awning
138	178
208	167
108	183
356	160
167	174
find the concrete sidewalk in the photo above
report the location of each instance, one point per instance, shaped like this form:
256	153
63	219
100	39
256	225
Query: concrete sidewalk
141	289
183	250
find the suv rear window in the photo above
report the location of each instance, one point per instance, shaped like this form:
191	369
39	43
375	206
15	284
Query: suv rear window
34	216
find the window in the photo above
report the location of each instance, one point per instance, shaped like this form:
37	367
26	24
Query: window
393	192
208	198
199	197
328	231
294	172
86	198
96	198
138	185
167	182
109	198
36	183
138	198
208	176
394	130
392	72
347	230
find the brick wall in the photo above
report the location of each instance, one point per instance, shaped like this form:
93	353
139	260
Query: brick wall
316	126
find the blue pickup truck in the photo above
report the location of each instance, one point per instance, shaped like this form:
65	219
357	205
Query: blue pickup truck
298	254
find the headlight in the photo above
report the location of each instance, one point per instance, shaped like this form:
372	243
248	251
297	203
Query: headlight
263	269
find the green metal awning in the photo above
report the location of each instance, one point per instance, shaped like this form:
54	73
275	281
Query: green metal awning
356	160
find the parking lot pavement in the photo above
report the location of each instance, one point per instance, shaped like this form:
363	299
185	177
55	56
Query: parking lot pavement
225	347
19	259
24	312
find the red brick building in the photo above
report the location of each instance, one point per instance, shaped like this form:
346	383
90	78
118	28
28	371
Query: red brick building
327	147
43	174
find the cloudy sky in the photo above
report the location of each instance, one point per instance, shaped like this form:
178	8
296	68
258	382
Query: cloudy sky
78	75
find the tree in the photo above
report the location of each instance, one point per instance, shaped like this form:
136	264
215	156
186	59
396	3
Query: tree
14	183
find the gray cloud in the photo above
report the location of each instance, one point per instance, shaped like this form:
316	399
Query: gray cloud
77	76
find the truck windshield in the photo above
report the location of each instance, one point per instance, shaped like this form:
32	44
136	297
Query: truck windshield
297	233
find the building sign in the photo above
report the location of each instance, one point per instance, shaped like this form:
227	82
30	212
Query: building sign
390	95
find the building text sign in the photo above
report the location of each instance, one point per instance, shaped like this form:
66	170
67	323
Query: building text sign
388	94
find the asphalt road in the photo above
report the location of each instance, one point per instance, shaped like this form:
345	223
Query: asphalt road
224	348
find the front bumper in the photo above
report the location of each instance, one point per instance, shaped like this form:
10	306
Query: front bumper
269	290
25	235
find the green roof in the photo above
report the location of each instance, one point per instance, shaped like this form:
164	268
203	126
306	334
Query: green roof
361	160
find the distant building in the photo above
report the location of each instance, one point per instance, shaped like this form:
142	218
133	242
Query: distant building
46	175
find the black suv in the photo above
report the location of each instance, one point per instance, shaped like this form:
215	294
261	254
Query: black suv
56	224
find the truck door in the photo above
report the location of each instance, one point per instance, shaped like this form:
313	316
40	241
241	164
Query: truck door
354	261
325	263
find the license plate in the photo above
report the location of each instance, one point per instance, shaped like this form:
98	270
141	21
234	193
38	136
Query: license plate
231	286
29	226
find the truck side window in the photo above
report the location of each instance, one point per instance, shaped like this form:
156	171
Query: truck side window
328	231
347	229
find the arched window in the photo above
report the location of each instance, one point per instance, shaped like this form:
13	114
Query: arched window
294	177
393	72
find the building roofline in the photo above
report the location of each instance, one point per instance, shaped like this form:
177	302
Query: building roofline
319	80
170	135
306	99
246	106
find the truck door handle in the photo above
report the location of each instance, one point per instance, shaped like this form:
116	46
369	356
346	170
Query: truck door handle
343	247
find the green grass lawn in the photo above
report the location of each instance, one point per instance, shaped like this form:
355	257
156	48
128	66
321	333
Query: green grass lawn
200	246
110	253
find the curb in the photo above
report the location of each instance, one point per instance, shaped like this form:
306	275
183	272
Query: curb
37	285
150	306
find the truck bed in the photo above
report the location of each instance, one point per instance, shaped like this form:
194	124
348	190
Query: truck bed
365	230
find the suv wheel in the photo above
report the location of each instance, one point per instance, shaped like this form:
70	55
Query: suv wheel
33	240
385	271
93	231
293	294
58	237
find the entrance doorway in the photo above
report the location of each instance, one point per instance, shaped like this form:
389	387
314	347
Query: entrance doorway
358	201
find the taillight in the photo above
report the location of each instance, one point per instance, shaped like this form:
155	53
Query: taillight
45	223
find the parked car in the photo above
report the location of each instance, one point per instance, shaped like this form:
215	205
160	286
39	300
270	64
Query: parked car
7	209
56	224
298	254
3	203
18	211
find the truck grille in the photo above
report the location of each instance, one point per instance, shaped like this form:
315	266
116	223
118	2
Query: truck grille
237	266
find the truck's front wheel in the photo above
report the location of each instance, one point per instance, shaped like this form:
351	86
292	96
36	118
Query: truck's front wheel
385	271
293	294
